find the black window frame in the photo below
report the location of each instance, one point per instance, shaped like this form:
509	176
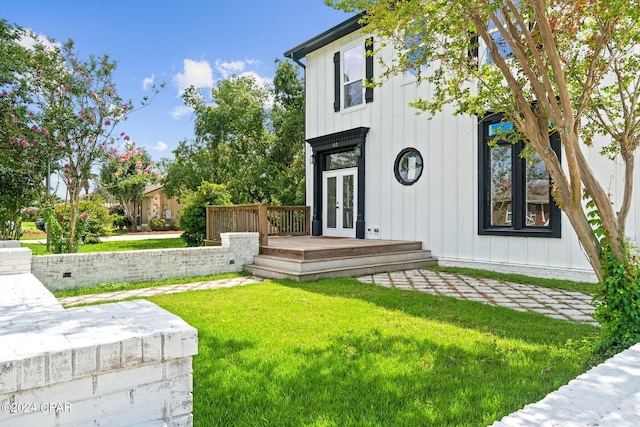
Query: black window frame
518	225
396	166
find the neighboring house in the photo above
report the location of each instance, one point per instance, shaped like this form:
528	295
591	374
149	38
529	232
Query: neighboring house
156	205
376	170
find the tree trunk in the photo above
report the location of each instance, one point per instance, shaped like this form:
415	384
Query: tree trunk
131	212
73	218
629	165
133	216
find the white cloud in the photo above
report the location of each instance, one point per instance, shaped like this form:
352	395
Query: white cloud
260	80
200	75
160	146
196	73
148	82
180	111
229	68
253	62
30	39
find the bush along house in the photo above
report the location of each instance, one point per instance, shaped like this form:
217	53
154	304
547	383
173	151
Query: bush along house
377	170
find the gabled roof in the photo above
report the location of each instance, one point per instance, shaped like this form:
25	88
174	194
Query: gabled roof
150	188
347	27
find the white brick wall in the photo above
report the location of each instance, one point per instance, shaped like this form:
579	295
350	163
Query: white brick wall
124	364
14	260
71	271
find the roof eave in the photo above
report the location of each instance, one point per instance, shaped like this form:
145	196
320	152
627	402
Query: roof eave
347	27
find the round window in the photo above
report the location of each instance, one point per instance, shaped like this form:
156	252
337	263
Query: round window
408	166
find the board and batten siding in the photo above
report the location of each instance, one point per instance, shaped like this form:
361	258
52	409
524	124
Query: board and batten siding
441	209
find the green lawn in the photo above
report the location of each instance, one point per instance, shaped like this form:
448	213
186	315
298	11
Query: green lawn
345	353
124	245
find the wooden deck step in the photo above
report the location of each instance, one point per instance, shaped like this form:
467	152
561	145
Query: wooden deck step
305	266
318	250
352	271
310	258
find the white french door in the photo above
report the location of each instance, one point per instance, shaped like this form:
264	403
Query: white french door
339	195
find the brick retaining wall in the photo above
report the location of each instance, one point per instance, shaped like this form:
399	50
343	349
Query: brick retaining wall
72	271
124	364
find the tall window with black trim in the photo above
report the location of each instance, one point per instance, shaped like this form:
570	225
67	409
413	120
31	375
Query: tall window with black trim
351	69
514	192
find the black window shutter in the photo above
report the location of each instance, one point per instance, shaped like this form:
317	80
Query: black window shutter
368	72
337	81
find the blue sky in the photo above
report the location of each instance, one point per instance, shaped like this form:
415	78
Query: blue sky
178	43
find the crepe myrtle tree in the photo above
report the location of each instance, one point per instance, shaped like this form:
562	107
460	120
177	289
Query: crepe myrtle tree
565	66
25	144
125	176
79	106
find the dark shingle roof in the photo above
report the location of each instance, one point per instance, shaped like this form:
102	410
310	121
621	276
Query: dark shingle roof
347	27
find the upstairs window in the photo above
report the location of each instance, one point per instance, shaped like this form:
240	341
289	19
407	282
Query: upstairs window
503	47
415	51
353	76
351	69
514	192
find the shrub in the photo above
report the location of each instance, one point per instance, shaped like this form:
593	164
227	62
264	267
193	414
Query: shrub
30	214
617	301
157	224
94	221
120	222
120	219
193	219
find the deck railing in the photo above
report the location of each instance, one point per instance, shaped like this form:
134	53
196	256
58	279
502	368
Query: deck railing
263	219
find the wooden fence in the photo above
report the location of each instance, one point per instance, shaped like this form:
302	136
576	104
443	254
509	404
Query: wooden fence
263	219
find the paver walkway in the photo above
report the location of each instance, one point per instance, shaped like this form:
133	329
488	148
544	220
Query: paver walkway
157	290
556	303
560	304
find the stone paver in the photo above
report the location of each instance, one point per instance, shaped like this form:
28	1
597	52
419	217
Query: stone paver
556	303
158	290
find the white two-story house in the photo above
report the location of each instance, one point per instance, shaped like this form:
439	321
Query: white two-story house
378	170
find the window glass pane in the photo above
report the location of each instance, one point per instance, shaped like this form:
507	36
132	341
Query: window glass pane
354	64
353	76
415	51
345	159
408	166
331	202
538	193
503	47
500	128
353	94
501	186
347	201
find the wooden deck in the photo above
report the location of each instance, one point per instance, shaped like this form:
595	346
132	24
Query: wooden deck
314	248
309	258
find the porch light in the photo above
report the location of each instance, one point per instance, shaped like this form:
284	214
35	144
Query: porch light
357	151
313	159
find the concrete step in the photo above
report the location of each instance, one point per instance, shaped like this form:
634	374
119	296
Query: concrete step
350	271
